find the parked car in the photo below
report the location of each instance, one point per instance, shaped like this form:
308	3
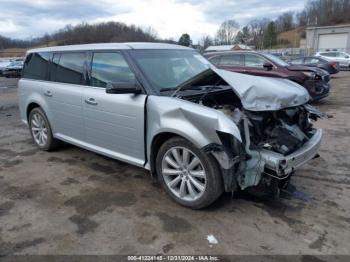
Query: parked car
341	57
3	65
164	108
331	67
315	80
14	69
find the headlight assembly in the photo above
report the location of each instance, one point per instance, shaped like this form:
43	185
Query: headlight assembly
310	75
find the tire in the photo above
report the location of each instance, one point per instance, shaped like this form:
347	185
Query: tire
38	123
187	175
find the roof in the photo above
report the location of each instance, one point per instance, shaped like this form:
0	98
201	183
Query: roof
329	26
104	46
226	47
212	53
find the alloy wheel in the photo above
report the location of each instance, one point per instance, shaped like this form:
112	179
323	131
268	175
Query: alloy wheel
39	129
184	173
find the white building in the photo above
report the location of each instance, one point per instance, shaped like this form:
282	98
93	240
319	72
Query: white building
322	38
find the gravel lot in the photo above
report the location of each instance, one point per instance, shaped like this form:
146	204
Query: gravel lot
76	202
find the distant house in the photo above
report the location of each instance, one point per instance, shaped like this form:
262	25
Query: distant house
235	47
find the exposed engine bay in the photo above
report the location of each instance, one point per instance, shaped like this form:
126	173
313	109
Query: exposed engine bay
274	142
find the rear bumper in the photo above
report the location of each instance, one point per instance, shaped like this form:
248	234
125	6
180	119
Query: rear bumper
285	165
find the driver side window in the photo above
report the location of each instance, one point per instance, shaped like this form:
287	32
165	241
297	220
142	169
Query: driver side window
109	68
254	61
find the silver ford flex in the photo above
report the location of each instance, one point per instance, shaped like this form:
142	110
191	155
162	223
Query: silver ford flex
199	129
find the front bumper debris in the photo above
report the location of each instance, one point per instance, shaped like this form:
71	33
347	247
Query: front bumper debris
281	165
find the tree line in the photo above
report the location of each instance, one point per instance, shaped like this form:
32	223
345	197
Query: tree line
263	33
260	33
85	33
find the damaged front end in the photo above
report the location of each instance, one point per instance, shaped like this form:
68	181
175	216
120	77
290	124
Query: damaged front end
276	143
276	129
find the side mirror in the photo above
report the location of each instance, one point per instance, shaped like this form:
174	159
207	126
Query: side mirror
123	88
268	66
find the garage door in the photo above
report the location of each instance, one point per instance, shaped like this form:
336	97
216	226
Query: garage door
332	41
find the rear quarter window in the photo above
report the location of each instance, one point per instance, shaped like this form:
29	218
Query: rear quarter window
36	65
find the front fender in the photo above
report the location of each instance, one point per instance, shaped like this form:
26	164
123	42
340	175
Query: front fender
197	123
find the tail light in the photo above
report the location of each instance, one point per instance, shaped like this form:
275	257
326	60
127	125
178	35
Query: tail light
334	65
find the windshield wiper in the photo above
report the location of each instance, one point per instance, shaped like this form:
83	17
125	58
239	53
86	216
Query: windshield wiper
191	80
167	89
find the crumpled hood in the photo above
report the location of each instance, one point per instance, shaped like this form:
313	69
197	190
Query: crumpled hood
264	93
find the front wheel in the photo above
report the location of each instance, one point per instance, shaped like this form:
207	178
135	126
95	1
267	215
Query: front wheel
190	176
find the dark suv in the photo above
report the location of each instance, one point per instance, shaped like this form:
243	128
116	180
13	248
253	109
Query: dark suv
315	80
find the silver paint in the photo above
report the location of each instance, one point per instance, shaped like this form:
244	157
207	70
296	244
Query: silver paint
264	93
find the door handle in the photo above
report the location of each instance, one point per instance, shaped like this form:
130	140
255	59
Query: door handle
91	101
48	93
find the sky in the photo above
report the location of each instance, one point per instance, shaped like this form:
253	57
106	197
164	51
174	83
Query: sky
25	19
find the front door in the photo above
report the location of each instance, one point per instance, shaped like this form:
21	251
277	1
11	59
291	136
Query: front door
254	65
114	123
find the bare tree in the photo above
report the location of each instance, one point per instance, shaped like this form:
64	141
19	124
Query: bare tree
227	32
285	22
258	27
206	41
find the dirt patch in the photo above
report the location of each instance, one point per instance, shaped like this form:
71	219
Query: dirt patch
29	152
174	223
6	207
62	161
69	181
18	228
84	224
9	248
166	248
319	243
7	153
22	193
12	163
90	202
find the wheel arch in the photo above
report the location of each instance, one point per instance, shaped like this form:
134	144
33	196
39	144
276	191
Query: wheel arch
157	141
30	107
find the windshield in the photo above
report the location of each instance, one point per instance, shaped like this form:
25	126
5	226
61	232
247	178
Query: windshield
167	69
276	60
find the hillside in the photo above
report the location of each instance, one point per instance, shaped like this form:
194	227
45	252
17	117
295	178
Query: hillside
79	34
290	38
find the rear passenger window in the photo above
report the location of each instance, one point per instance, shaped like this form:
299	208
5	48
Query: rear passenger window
230	60
312	60
329	54
297	61
68	68
35	66
109	68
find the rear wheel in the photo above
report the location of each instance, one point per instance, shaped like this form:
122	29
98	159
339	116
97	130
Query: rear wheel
190	176
40	130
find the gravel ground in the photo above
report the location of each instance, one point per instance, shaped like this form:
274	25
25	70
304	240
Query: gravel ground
76	202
